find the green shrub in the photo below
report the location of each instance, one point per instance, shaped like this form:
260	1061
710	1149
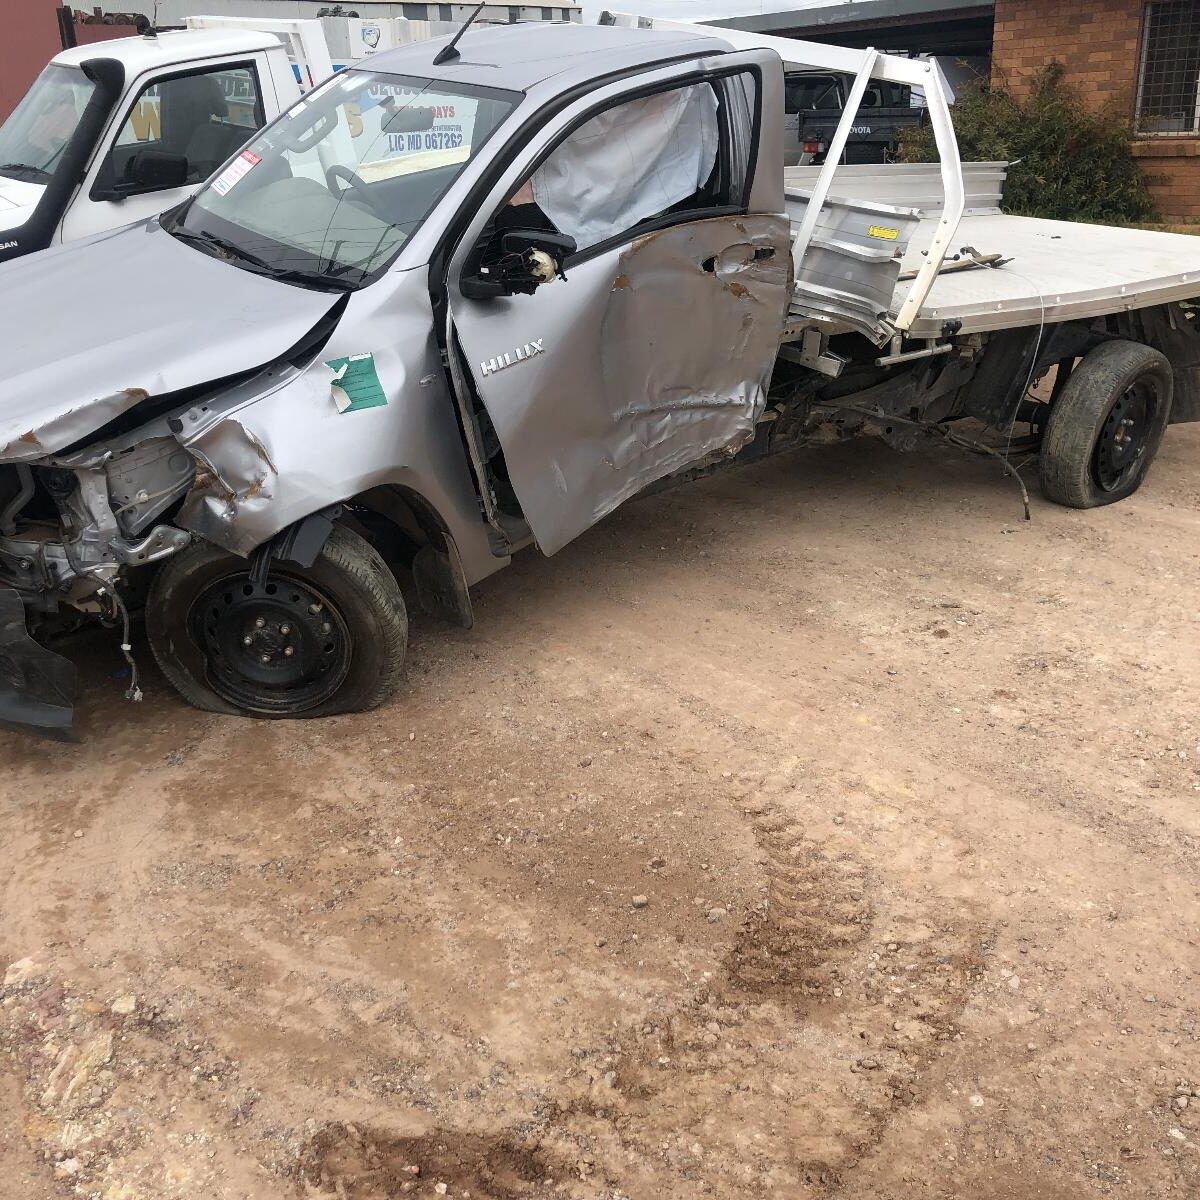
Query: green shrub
1074	163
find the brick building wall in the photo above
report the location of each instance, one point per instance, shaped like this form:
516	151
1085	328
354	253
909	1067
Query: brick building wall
1099	42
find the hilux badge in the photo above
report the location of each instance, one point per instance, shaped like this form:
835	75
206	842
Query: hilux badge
509	357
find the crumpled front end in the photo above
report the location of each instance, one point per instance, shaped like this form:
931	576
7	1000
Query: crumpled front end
69	527
115	342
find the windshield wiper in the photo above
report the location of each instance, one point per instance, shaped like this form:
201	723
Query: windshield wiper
259	265
24	169
217	242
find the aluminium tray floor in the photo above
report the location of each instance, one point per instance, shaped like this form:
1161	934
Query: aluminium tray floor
1060	270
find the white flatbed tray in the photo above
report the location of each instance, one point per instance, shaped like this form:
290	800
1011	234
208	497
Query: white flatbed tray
1060	270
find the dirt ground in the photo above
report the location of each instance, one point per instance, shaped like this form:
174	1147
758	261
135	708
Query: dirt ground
817	830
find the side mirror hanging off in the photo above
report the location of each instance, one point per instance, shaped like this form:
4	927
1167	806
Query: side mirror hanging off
519	264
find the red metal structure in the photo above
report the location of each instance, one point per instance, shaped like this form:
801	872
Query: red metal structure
31	31
29	35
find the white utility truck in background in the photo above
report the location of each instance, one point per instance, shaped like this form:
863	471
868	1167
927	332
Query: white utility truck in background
114	132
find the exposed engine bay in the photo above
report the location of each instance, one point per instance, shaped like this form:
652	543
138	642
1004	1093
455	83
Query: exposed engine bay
68	527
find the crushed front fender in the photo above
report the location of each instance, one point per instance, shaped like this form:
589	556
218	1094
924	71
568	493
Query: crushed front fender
37	686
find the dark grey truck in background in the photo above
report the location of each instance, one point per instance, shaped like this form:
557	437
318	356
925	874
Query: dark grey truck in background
813	105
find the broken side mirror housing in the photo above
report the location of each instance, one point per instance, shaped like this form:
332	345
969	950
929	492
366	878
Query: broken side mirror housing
518	262
147	171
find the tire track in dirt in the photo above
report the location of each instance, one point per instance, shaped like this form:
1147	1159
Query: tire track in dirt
349	1162
814	1038
816	909
769	1032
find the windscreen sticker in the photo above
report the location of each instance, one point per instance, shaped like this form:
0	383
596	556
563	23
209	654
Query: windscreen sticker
355	384
236	170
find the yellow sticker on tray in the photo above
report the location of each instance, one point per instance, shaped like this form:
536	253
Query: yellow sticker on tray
883	231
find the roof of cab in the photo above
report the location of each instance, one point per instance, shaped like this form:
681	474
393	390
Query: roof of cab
171	48
518	56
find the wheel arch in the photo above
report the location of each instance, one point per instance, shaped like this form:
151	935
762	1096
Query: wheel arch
426	546
1173	330
1014	357
408	531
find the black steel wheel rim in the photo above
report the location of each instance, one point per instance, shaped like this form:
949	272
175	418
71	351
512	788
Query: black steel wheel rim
278	648
1124	436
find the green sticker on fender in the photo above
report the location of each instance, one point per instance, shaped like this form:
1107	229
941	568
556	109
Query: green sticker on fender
355	384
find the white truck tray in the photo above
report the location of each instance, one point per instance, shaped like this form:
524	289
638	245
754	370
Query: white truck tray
1060	270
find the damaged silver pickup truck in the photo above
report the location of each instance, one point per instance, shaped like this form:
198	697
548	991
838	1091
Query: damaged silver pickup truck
466	299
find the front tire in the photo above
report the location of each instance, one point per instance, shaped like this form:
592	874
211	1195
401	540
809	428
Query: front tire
306	642
1105	428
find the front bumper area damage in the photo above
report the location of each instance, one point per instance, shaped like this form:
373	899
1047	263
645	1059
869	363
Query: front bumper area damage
71	531
99	478
76	530
37	686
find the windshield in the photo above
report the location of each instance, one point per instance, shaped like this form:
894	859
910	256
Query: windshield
36	133
330	192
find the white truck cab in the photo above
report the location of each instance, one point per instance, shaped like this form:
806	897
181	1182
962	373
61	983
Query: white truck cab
112	133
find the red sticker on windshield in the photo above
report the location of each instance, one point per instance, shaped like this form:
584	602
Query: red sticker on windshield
236	169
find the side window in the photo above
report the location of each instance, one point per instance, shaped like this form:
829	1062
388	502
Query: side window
179	130
655	155
880	94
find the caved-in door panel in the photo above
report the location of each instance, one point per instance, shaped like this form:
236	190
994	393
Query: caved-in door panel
691	321
645	360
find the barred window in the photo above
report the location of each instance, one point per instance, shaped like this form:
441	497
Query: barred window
1169	76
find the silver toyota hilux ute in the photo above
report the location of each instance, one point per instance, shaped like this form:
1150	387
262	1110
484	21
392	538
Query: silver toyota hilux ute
453	303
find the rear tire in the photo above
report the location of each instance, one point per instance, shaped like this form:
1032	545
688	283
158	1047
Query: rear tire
309	642
1105	428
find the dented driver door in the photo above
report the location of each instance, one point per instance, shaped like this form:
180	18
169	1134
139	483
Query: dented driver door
655	351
